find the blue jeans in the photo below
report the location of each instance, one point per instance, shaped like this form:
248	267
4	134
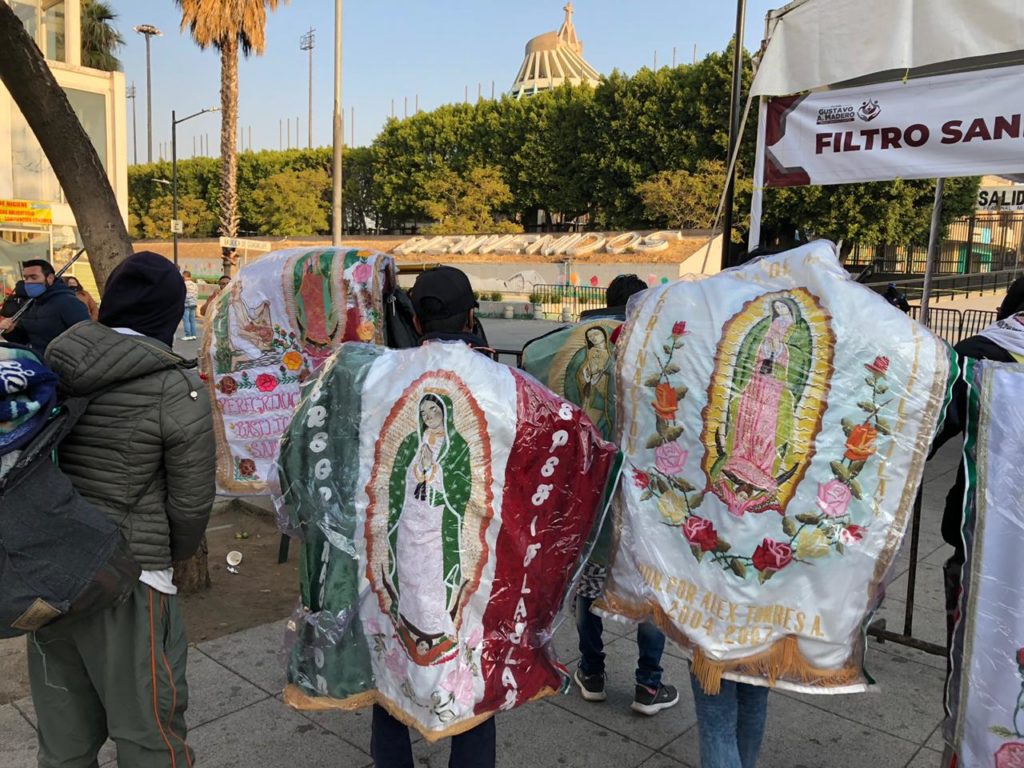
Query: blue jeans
730	724
649	639
391	748
189	321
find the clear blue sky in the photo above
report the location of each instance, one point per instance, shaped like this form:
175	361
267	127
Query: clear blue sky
398	49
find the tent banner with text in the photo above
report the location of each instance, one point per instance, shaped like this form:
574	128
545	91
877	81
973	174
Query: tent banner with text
964	124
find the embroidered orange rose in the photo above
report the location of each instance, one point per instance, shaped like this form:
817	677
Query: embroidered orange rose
365	331
860	445
292	360
666	402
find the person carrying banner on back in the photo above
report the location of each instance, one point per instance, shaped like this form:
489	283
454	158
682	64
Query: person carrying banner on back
578	363
142	452
445	311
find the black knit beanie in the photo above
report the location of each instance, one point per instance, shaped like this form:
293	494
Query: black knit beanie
1014	301
145	293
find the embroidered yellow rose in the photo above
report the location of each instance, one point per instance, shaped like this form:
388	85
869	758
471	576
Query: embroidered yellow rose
292	360
812	542
672	508
365	331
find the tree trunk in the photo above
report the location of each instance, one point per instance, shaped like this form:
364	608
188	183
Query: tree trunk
191	576
66	145
228	146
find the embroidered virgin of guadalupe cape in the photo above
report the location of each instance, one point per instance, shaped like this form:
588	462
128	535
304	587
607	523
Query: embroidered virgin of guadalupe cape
270	330
986	693
444	501
775	421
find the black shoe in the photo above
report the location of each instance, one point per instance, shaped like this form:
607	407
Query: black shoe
650	701
591	686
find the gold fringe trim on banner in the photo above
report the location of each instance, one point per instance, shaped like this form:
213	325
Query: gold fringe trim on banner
298	699
783	661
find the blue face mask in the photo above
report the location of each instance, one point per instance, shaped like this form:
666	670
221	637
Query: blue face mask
35	289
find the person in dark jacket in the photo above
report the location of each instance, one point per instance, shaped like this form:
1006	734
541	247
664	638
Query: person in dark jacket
53	309
445	311
143	452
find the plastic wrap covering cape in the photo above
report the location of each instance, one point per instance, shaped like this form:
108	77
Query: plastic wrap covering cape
775	421
986	694
444	501
270	330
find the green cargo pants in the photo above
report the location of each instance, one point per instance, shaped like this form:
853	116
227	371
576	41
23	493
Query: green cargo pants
119	673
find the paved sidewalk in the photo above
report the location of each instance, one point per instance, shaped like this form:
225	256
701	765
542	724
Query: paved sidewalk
237	719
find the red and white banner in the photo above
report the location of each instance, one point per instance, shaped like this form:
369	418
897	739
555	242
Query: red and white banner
963	124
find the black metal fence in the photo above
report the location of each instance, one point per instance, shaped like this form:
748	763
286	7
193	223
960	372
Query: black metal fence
984	242
566	302
955	325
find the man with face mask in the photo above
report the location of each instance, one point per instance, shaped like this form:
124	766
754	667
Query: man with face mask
54	307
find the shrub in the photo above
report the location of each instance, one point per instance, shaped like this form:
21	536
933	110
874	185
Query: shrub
496	296
535	298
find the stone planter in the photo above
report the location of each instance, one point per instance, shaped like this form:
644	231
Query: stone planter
566	315
509	312
538	311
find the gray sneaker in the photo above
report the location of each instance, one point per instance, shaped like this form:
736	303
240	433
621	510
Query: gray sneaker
650	701
591	686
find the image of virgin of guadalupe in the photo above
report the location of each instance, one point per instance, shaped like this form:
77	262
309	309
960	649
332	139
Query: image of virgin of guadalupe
429	489
588	377
769	378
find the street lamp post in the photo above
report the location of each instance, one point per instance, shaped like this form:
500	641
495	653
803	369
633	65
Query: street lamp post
338	133
130	93
174	171
735	115
148	31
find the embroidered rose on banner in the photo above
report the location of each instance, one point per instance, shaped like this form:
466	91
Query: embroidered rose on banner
1010	756
666	401
641	479
266	382
670	458
700	533
362	272
771	556
396	663
227	386
365	331
834	498
292	360
247	468
459	683
860	445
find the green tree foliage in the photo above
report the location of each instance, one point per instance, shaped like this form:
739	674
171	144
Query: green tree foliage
685	200
466	204
198	218
100	38
636	152
291	202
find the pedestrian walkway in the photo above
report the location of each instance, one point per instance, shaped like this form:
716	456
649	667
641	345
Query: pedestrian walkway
237	719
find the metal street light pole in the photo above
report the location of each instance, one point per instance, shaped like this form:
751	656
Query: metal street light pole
148	31
306	43
735	115
130	93
339	135
174	171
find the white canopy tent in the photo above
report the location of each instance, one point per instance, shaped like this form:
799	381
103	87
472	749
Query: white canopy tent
811	44
822	44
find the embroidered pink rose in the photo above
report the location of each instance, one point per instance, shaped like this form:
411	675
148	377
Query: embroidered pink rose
396	663
475	637
1010	755
362	272
834	498
372	627
459	683
670	458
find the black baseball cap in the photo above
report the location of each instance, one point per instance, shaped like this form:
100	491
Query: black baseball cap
442	292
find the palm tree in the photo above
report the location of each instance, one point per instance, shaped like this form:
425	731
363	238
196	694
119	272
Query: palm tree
99	36
228	25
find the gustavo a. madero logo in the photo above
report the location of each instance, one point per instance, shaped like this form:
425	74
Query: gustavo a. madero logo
869	110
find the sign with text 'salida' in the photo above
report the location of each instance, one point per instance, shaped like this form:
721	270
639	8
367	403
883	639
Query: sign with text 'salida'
962	124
